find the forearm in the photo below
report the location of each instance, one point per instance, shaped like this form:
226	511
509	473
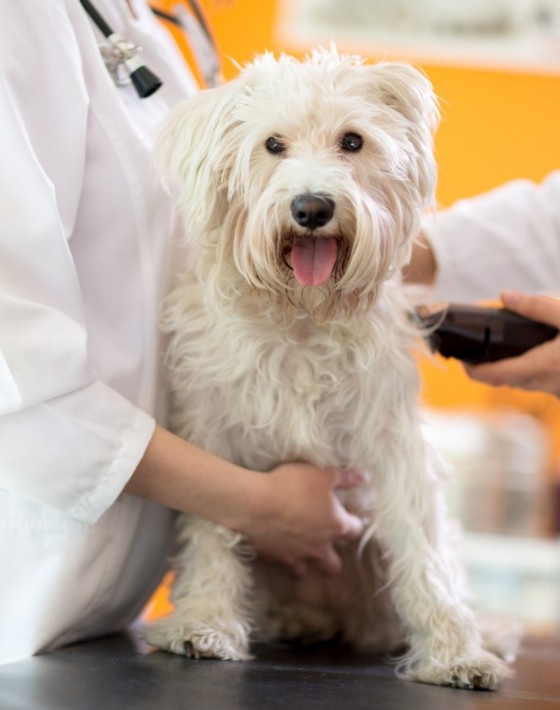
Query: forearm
181	476
503	239
422	267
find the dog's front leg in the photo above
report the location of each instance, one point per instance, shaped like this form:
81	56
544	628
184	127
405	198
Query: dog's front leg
445	646
211	596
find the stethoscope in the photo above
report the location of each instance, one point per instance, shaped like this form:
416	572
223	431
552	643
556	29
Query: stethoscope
121	56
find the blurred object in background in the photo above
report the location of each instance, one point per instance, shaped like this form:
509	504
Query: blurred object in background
500	461
515	577
520	34
502	492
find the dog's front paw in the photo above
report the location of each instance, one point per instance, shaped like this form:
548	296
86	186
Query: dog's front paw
478	670
197	640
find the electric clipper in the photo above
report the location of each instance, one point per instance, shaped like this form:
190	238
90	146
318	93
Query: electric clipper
476	334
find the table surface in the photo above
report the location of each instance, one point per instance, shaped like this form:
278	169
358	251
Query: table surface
122	672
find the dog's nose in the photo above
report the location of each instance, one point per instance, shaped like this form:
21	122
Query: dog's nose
312	211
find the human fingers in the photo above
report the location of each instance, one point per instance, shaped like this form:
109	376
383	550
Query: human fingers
544	309
328	560
537	369
345	478
352	527
299	569
513	372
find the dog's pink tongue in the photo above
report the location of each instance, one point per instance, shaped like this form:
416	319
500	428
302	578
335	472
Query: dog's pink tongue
313	259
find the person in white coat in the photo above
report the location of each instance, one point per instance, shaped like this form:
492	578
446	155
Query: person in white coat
88	473
505	242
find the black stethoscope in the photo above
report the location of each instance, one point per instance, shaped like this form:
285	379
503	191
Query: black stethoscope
124	64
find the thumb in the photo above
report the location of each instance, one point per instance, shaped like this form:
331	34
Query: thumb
544	309
345	478
353	527
329	562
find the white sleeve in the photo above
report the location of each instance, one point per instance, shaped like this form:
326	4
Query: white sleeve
66	439
508	238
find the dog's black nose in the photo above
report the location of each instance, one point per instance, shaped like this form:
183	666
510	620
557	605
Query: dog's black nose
312	211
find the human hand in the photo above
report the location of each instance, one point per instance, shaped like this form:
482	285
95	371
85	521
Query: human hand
299	518
538	368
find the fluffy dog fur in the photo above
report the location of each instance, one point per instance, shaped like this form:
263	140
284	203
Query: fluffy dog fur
278	355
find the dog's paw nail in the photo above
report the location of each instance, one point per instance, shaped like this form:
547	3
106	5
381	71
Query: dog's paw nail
477	682
190	650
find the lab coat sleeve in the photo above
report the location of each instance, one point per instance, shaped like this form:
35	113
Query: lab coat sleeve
508	238
66	439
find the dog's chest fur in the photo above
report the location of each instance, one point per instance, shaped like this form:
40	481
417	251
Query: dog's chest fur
261	389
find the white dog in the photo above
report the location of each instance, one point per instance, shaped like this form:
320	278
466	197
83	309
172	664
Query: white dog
302	184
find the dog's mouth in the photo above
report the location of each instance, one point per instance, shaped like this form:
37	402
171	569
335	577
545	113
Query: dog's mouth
312	259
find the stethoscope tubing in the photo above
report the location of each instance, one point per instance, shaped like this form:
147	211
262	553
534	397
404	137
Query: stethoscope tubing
99	20
122	58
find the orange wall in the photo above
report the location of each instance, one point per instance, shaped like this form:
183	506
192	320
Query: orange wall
495	126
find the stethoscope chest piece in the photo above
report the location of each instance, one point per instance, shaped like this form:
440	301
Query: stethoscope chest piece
118	55
123	63
121	57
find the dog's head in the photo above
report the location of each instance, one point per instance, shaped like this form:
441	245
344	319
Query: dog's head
306	180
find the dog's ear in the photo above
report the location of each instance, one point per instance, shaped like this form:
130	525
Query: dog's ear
409	93
407	90
190	149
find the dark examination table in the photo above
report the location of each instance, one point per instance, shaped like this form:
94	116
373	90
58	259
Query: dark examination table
121	673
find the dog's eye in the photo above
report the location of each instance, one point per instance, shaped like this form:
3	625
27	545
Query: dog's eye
274	145
351	142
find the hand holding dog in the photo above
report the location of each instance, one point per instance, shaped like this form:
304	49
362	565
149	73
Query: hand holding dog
290	514
539	368
299	518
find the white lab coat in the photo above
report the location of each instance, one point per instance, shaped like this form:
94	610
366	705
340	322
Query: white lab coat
84	235
508	238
